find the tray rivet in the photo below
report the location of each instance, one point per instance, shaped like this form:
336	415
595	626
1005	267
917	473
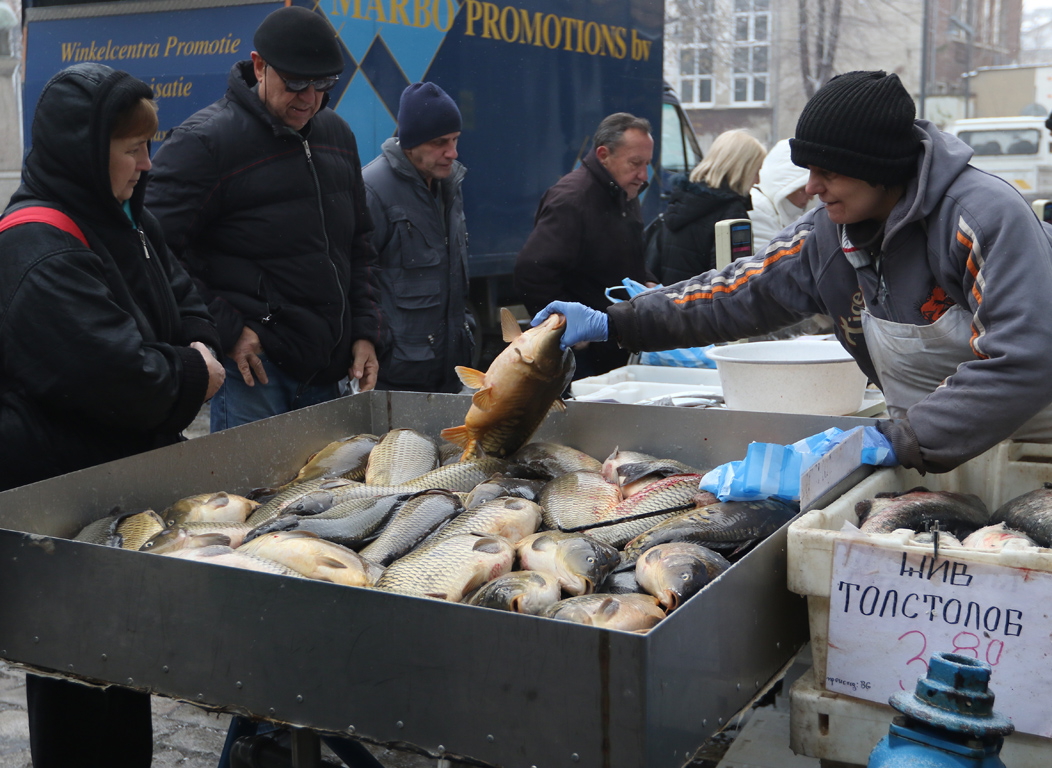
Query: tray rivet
271	710
130	681
489	736
238	684
441	747
777	645
36	639
299	698
351	729
704	722
399	724
165	669
739	687
719	720
104	657
70	667
200	695
756	683
575	757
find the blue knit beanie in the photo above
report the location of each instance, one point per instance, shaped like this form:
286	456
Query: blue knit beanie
425	112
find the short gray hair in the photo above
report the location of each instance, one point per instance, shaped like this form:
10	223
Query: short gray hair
611	131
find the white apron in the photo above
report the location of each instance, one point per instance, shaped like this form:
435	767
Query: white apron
913	360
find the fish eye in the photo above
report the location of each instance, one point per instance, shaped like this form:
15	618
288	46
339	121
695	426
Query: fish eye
591	561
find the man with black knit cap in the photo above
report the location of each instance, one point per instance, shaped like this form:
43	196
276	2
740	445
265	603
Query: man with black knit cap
261	196
414	194
935	275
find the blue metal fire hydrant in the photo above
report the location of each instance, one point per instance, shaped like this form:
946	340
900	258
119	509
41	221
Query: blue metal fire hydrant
948	722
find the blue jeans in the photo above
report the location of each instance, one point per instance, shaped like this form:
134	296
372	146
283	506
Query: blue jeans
236	403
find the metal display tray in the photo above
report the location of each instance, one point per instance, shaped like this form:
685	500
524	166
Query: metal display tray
465	682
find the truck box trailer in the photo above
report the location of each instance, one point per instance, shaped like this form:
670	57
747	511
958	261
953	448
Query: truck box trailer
533	79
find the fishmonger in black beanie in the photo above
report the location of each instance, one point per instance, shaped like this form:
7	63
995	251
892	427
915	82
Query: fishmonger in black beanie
859	124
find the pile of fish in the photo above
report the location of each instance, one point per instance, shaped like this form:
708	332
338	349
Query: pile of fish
545	529
960	520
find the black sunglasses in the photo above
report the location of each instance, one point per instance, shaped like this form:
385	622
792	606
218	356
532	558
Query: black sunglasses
321	84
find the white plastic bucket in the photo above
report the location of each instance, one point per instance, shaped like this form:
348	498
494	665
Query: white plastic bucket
790	376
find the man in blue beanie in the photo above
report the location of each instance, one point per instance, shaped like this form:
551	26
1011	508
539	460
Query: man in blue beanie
414	194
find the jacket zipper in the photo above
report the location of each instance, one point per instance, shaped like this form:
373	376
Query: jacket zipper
325	234
163	296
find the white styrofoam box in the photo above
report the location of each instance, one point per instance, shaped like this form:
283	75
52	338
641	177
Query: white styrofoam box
841	728
658	374
1007	470
640	391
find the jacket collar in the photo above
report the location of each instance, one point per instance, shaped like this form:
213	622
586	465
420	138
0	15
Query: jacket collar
402	166
243	88
605	180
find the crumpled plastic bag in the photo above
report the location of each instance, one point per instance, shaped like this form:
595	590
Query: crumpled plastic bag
688	357
769	469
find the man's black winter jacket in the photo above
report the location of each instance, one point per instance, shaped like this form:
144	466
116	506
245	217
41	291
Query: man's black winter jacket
273	226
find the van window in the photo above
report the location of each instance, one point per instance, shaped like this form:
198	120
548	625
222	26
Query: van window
1003	141
676	156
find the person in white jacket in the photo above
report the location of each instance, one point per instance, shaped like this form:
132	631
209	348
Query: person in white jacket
779	199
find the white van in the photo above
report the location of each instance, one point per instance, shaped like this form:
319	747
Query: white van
1018	149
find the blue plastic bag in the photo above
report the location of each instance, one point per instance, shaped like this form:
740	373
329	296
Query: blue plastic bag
690	357
769	469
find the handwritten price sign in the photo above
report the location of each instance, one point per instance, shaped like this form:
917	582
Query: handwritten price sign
891	610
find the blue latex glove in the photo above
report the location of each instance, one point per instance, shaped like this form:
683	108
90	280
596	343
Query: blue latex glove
582	323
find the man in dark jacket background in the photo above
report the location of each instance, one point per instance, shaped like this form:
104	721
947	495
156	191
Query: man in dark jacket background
260	195
415	200
588	232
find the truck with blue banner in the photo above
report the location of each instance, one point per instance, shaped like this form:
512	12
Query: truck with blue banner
533	79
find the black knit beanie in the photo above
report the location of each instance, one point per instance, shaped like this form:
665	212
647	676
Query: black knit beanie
425	112
859	124
299	43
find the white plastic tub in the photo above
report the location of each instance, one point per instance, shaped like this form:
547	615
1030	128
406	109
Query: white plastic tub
790	376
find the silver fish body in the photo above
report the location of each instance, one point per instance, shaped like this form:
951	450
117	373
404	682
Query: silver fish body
919	509
659	501
315	558
553	459
727	526
510	518
346	458
219	555
676	571
579	563
451	568
499	486
529	592
171	539
628	612
400	456
576	499
1030	513
350	523
413	522
219	507
994	538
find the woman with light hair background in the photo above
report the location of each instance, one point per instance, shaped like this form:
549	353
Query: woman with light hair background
717	189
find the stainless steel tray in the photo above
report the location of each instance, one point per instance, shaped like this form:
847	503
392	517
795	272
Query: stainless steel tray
500	688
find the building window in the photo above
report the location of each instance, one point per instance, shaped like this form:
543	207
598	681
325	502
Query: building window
695	75
752	24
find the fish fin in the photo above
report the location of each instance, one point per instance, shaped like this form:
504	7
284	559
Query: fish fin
528	359
220	499
608	607
437	595
509	326
457	435
330	562
558	406
471	378
483	399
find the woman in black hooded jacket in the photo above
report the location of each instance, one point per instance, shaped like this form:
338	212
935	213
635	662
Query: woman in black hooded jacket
718	189
104	348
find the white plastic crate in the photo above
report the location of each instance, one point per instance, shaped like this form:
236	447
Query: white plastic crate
836	727
1006	471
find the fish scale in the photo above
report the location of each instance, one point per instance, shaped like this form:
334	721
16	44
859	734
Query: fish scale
665	498
411	524
400	456
451	568
463	476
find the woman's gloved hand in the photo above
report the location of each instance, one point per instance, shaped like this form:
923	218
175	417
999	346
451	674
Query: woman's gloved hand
582	323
